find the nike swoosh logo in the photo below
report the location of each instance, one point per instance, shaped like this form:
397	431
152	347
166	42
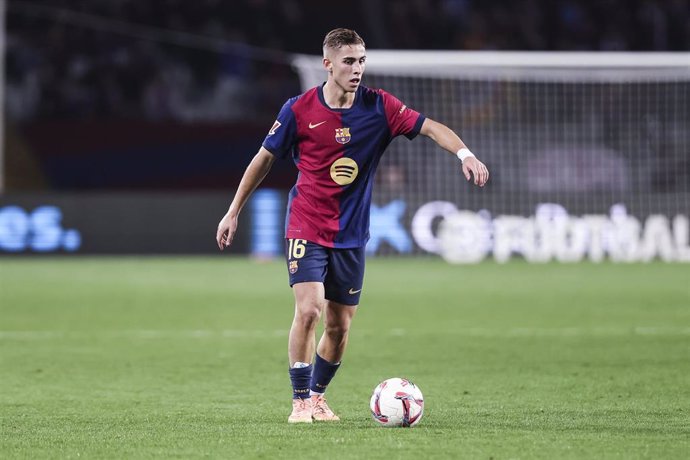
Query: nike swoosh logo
353	292
314	126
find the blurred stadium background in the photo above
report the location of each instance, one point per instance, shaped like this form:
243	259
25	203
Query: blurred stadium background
127	120
127	125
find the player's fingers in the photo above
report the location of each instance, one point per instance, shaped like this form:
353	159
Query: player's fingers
482	172
220	238
482	176
229	236
466	171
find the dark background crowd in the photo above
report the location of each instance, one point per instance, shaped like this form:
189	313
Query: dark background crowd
229	60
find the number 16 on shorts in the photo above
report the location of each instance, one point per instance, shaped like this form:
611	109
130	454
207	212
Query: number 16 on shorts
296	248
295	251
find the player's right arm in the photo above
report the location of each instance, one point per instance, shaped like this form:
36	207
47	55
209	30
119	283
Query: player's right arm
278	143
253	175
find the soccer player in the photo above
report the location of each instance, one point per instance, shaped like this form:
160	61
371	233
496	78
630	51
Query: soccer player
336	134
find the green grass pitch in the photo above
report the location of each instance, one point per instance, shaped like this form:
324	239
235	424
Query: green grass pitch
186	358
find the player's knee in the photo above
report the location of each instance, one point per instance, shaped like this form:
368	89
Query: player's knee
308	316
337	331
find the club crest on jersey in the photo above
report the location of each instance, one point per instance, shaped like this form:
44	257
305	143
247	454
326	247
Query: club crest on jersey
293	267
342	135
344	171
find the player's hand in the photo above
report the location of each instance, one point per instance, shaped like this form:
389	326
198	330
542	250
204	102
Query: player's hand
477	169
226	231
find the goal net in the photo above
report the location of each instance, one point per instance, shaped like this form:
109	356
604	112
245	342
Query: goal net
589	155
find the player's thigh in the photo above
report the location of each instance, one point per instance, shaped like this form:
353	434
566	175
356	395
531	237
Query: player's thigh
309	297
307	265
345	277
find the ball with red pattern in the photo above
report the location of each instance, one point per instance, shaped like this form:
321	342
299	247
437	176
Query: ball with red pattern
397	402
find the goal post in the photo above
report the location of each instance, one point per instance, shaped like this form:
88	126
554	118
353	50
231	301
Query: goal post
589	155
523	65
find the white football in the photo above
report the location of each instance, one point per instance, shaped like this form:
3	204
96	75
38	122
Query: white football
397	402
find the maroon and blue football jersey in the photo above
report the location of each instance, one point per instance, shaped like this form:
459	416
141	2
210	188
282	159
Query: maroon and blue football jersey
336	152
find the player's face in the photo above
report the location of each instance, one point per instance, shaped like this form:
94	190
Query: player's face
346	66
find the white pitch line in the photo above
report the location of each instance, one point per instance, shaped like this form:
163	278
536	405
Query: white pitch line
571	332
143	334
152	334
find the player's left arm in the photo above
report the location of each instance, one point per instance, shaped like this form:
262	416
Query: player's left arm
448	140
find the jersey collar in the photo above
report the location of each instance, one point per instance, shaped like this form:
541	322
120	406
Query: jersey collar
319	91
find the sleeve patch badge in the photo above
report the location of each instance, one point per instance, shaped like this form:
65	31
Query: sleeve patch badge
273	129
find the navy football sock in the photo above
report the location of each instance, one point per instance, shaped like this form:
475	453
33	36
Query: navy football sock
322	375
300	381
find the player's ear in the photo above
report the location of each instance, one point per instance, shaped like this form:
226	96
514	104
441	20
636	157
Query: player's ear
327	64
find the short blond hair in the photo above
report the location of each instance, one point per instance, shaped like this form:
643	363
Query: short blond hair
337	38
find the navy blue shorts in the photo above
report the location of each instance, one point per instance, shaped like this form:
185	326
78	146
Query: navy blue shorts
340	270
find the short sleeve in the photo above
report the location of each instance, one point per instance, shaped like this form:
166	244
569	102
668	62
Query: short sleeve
282	135
401	119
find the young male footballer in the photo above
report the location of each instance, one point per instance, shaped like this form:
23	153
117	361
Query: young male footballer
336	134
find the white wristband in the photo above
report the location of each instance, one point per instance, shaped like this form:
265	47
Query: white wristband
464	153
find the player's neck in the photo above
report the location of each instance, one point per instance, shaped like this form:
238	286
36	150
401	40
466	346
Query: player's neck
336	97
